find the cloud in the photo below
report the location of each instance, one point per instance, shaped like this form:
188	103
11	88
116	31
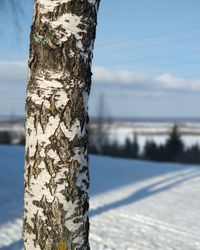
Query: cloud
13	70
140	94
165	81
101	74
18	71
169	81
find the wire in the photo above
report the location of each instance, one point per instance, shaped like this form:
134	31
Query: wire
169	65
151	36
149	45
156	58
177	64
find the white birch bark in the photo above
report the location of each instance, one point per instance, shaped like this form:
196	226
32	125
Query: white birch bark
56	165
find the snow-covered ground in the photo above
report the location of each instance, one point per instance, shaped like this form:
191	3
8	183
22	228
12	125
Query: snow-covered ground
134	205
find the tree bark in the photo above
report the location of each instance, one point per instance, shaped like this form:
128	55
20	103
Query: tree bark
56	158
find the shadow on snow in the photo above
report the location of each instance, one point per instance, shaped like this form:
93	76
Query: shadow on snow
149	190
106	174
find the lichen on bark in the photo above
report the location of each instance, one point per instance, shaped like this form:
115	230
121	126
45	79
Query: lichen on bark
56	158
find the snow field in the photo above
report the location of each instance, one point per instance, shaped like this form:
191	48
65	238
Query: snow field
134	205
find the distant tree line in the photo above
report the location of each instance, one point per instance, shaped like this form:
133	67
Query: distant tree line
5	137
8	138
173	150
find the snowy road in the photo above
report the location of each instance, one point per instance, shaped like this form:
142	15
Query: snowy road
134	205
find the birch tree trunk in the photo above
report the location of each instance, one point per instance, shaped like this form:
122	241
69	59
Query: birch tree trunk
56	160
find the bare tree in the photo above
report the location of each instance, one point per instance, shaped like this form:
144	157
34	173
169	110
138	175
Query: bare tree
100	131
56	171
56	156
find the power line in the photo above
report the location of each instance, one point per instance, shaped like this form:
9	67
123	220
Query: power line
172	64
149	45
151	36
156	58
177	64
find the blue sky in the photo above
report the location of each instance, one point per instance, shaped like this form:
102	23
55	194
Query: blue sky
146	59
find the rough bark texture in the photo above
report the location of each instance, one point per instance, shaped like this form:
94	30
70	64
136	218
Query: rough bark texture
56	168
